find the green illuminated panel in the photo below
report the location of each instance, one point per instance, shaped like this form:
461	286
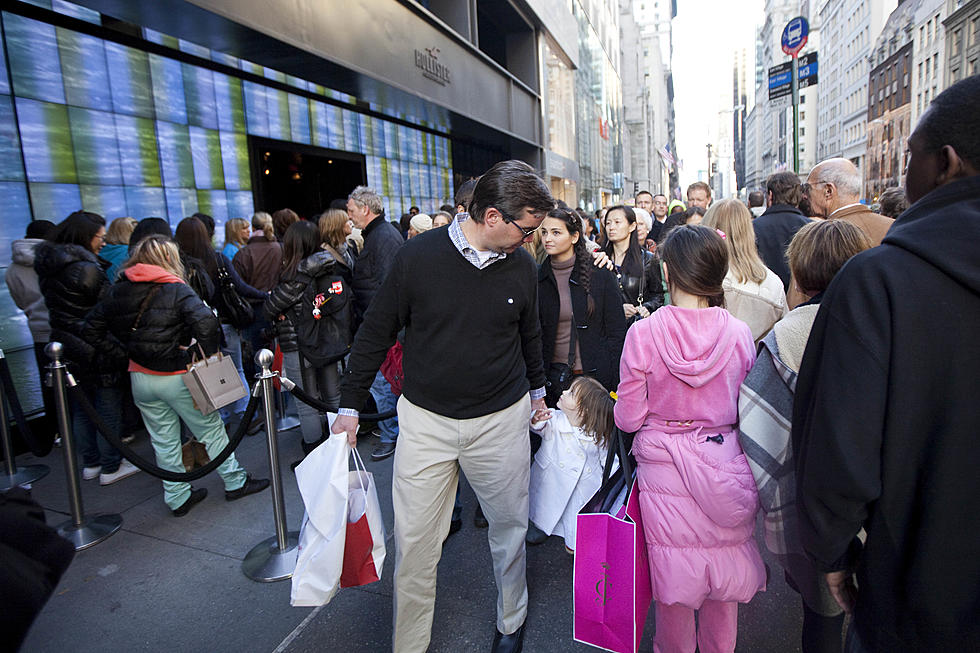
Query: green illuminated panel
46	141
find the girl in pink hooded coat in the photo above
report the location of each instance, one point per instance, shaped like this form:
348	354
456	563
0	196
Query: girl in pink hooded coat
680	374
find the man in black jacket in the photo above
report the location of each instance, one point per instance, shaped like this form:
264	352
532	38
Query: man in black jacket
467	297
381	241
777	226
885	418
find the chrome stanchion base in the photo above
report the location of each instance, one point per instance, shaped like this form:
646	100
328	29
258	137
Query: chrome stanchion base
22	476
266	563
93	530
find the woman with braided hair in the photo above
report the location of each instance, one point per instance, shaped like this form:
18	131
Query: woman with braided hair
581	312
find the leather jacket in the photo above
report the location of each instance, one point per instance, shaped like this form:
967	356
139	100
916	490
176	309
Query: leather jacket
646	289
286	298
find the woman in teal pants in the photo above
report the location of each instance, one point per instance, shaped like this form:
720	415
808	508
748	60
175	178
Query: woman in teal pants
158	319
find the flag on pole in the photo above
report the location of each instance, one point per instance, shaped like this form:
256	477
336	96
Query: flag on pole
666	155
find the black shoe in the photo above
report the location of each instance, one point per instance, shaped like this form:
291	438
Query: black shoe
196	497
257	424
383	450
478	519
251	486
535	535
513	643
307	447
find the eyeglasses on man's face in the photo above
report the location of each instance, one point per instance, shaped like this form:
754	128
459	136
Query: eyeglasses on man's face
808	187
524	230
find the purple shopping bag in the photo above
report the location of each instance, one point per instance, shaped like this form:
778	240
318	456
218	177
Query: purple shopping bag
611	581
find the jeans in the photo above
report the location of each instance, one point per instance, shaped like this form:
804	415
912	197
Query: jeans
164	401
322	383
95	449
386	401
233	348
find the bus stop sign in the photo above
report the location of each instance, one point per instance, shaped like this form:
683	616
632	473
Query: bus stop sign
795	36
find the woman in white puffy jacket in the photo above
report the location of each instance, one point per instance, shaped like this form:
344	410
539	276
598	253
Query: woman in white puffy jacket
567	468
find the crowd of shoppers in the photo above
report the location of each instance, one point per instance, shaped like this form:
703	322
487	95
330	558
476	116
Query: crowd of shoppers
818	367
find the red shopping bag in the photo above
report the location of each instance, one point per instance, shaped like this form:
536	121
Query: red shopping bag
364	545
611	577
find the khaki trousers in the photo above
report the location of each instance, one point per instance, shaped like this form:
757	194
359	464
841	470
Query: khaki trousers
493	451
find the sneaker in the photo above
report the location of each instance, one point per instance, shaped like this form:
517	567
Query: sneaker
126	468
251	486
382	450
91	473
196	497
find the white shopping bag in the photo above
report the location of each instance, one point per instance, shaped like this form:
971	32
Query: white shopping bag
323	482
364	550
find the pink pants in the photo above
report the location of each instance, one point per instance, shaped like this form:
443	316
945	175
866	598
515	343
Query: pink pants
715	632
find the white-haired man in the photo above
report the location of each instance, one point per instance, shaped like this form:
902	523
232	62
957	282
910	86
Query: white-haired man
834	190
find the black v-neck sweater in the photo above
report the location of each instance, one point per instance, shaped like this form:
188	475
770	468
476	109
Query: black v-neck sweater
472	337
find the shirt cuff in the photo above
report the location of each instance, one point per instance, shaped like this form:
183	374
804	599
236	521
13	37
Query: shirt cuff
348	412
537	393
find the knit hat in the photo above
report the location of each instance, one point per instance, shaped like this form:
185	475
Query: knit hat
421	222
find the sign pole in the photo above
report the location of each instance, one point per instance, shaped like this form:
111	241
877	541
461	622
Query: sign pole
796	115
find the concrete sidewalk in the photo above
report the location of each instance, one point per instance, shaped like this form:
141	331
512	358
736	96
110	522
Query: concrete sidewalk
167	584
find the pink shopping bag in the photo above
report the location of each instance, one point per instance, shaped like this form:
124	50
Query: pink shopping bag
611	581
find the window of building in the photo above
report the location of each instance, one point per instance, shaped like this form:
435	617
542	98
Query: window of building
957	43
972	66
954	75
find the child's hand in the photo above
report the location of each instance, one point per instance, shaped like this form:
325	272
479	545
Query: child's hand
541	415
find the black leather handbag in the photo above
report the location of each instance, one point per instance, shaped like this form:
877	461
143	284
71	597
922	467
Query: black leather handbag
229	304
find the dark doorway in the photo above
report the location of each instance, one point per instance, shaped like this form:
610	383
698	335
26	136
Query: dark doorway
302	177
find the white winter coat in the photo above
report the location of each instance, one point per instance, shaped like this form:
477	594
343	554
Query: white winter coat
566	473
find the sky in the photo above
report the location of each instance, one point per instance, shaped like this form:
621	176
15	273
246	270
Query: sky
706	35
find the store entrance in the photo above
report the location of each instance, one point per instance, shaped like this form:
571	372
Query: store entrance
302	177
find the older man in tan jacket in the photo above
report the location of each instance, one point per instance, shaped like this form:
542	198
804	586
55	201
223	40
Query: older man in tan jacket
834	187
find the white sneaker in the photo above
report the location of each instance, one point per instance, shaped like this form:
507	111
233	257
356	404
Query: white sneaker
91	473
126	468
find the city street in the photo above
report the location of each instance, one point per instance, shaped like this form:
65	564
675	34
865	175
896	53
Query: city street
166	584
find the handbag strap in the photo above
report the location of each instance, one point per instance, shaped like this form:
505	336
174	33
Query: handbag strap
619	441
144	304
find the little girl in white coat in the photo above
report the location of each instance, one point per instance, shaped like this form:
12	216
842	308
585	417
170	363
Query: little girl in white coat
567	469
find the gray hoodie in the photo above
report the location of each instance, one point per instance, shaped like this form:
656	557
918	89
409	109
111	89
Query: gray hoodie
23	286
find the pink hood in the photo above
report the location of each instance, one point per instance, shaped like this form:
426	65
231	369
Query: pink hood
142	272
694	344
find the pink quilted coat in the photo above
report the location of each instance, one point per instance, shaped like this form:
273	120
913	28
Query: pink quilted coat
680	373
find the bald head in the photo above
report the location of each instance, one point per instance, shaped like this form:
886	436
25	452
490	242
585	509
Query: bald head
832	184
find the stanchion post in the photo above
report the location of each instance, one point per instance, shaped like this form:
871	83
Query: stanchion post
274	558
80	530
13	476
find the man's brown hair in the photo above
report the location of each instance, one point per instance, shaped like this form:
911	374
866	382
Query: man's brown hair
785	188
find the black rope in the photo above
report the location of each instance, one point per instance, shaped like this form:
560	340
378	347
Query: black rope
151	468
38	448
310	400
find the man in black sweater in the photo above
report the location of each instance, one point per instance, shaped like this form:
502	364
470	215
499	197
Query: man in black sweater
885	417
777	226
467	299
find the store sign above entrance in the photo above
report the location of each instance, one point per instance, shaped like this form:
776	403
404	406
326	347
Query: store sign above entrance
427	60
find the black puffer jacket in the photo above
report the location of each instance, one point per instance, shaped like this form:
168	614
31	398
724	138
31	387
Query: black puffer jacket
73	280
173	315
381	242
646	289
286	298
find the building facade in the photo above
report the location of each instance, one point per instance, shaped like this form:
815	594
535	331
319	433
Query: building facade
890	101
647	101
962	40
928	55
221	106
848	31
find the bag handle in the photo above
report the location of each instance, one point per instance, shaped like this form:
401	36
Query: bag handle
624	460
146	302
359	468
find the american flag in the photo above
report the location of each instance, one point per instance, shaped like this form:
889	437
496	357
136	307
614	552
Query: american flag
666	155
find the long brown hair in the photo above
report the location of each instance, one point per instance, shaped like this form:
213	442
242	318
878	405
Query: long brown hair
583	260
820	249
697	262
331	225
595	408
